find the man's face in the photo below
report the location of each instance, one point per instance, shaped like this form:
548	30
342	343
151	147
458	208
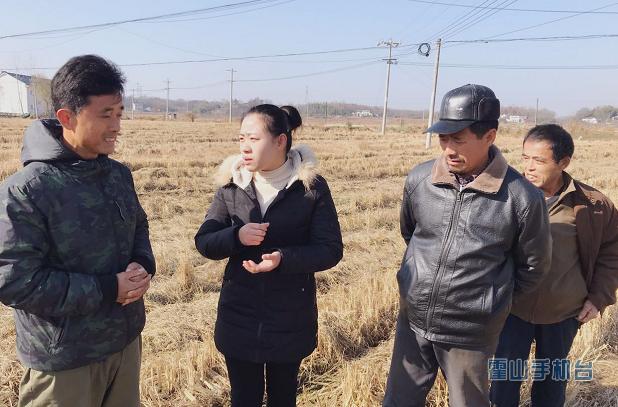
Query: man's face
540	168
466	153
97	126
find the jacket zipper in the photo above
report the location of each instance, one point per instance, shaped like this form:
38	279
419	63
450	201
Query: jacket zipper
262	287
277	199
448	242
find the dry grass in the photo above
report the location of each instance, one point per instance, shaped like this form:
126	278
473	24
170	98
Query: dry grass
172	163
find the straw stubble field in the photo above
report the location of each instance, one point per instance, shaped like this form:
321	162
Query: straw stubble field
172	163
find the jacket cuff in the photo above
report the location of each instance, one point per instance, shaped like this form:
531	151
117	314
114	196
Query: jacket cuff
236	238
597	302
146	263
280	266
109	287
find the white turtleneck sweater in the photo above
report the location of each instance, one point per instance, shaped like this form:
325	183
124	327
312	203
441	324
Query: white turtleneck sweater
269	183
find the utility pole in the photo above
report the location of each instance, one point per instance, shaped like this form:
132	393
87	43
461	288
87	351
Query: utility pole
326	119
536	112
432	106
132	103
307	102
389	61
34	82
231	71
167	101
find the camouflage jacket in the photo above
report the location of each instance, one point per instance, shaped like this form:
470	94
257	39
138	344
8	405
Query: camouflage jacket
67	227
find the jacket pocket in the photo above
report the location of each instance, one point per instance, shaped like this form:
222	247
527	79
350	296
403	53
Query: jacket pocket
60	335
126	209
49	332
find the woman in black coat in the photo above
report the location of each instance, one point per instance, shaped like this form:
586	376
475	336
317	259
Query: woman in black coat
274	218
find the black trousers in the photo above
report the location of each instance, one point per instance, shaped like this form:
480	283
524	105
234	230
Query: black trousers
553	342
247	383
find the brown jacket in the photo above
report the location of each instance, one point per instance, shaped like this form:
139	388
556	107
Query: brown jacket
596	219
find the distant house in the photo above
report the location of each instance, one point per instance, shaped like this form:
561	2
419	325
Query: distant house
18	96
362	113
590	120
516	118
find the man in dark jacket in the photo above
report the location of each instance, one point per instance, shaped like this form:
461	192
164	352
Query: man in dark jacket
477	233
582	280
75	255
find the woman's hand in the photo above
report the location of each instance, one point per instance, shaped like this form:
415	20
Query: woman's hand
252	234
269	263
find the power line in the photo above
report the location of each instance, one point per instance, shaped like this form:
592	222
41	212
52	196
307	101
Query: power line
524	10
346	68
222	15
516	67
482	17
292	54
282	78
458	21
547	38
576	14
471	41
141	19
166	45
223	59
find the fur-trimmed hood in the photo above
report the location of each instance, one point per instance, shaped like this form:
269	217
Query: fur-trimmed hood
304	162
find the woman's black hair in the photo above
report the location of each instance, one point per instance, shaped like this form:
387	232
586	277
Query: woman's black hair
279	120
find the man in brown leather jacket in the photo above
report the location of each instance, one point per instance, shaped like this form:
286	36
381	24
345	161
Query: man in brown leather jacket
582	280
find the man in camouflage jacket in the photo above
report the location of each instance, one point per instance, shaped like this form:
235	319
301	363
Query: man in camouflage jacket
75	255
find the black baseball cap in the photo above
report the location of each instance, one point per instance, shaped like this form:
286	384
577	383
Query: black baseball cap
464	106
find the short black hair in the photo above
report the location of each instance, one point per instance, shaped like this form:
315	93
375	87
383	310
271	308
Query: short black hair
278	120
558	138
84	76
482	127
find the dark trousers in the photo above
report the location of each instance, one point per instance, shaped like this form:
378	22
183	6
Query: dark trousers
553	342
415	364
247	383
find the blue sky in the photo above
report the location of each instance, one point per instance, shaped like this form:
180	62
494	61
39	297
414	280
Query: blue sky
315	25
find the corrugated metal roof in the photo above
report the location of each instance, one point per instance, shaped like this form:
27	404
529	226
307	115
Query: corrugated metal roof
23	78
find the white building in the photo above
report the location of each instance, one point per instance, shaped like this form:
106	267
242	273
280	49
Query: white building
17	96
590	120
516	119
362	113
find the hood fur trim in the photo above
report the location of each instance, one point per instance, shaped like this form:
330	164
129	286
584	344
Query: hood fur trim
303	159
